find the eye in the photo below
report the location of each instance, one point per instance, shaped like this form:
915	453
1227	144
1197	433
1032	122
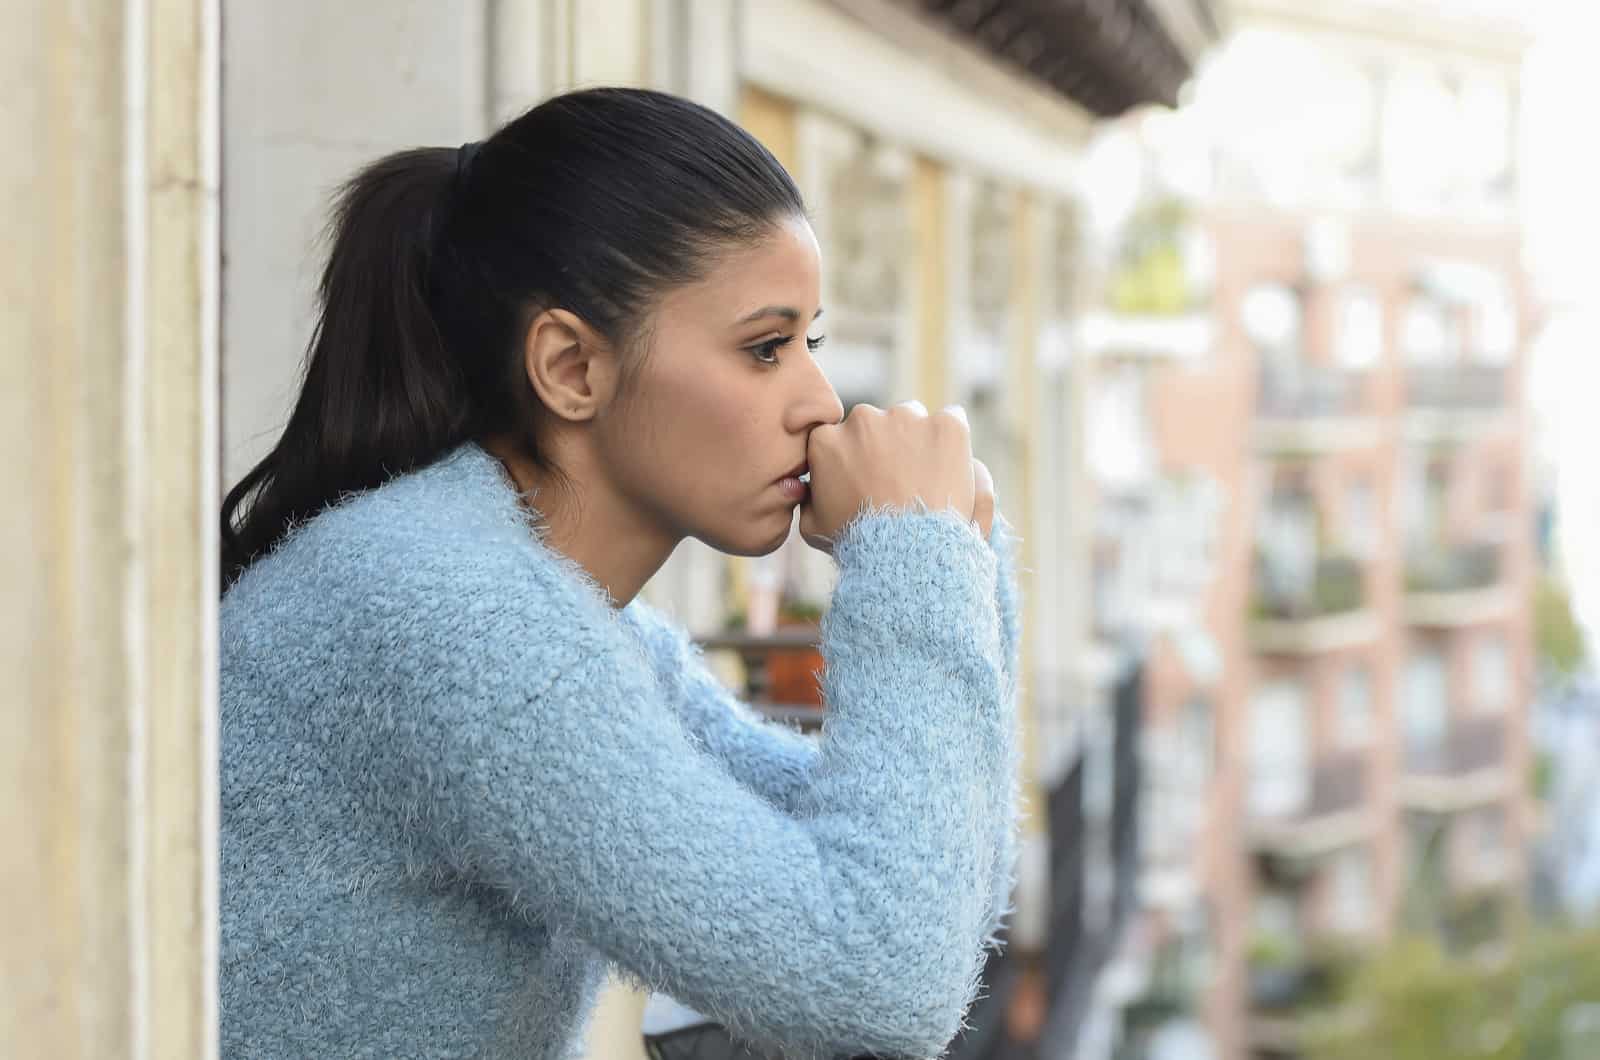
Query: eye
815	344
767	352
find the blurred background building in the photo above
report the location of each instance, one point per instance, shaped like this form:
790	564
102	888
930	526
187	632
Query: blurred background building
1235	295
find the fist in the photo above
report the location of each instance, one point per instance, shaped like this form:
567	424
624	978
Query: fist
892	459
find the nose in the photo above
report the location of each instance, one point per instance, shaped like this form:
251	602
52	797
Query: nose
815	403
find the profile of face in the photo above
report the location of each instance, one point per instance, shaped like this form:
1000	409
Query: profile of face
726	396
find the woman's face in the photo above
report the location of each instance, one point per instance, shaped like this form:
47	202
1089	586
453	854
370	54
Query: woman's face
726	397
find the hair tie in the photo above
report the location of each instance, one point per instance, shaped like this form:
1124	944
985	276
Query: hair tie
464	156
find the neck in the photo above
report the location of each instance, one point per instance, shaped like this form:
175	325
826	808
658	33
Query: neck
589	522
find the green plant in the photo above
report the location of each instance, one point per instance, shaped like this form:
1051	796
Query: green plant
1150	277
1543	776
799	611
1420	1003
1272	950
1557	637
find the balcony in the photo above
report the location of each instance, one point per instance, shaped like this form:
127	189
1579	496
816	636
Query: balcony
775	664
1146	337
1311	408
1454	401
1455	585
1323	612
1456	387
1334	816
1295	992
1464	770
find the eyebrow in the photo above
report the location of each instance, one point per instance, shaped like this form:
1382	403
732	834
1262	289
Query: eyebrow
788	313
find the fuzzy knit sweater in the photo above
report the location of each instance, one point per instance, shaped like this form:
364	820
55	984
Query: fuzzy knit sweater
458	785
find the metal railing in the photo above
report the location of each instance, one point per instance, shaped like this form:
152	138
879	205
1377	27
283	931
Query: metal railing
1456	387
1469	746
1339	783
1307	390
756	652
1453	568
1336	586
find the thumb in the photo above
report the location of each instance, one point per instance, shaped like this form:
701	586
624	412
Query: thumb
983	498
809	533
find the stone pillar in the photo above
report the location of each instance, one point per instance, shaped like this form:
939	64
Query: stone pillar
108	734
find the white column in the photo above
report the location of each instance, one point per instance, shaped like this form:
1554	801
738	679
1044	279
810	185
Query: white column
367	77
107	736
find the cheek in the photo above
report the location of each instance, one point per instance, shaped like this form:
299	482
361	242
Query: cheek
703	434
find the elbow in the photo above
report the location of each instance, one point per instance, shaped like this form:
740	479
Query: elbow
914	1011
927	1026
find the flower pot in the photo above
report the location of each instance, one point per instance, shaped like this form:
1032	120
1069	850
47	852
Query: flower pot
793	676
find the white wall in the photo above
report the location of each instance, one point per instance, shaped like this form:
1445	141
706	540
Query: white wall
311	91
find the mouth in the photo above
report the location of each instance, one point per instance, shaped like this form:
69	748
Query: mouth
795	484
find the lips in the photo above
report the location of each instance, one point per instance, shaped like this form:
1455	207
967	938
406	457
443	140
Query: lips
794	487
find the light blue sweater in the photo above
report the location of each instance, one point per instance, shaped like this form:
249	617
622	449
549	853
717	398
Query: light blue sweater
457	785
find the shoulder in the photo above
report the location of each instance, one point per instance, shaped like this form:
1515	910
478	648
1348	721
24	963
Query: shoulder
443	564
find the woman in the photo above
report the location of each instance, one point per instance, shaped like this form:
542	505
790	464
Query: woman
464	770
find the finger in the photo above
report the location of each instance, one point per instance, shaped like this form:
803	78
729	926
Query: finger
914	406
808	531
982	480
959	413
983	497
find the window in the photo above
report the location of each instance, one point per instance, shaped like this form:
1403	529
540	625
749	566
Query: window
1276	917
1120	453
1495	320
1280	751
1198	732
1425	709
1355	707
1350	903
1271	316
1486	108
1429	332
1360	338
1491	674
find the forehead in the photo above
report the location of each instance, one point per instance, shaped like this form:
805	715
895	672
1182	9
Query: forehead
783	269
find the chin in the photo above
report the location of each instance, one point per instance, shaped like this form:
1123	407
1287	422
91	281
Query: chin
752	539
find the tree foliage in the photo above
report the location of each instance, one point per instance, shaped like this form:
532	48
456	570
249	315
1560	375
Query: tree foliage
1413	1001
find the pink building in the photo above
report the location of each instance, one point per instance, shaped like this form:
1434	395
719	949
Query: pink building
1359	759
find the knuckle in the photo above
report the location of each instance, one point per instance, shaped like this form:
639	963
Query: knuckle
952	421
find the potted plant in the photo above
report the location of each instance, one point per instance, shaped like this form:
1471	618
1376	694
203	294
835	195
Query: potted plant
794	673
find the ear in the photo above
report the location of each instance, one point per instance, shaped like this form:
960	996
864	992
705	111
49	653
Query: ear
571	367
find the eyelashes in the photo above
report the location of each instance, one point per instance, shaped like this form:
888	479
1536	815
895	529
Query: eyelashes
767	352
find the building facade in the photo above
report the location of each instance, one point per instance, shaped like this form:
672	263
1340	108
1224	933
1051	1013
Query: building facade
1359	753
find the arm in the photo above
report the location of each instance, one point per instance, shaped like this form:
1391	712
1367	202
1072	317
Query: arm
775	762
770	759
1004	543
853	924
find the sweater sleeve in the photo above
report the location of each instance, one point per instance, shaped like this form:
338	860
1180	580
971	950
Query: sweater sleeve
771	760
1004	543
775	762
854	923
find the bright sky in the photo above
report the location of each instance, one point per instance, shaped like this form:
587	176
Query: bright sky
1561	154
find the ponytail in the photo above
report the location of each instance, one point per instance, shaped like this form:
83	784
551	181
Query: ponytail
597	202
382	394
